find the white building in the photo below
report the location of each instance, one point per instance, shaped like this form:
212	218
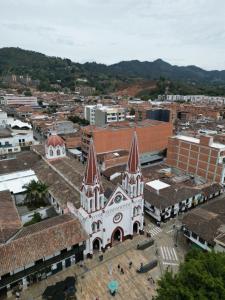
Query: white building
14	141
100	115
3	119
18	100
55	147
89	113
111	216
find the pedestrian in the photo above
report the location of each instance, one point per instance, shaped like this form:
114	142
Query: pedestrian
130	264
122	271
118	267
17	295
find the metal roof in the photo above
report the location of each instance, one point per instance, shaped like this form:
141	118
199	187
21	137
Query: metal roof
15	181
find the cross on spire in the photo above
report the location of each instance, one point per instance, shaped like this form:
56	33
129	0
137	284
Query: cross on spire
133	161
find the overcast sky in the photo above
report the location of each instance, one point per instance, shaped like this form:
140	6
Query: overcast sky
182	32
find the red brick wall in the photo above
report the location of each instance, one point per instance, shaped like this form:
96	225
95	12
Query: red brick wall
195	159
150	138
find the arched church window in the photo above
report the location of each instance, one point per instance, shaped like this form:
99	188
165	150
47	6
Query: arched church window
58	152
51	152
93	227
98	225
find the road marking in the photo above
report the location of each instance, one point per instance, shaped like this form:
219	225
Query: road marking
153	230
175	254
168	253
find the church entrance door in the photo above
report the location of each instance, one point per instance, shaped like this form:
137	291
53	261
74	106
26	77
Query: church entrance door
96	245
117	235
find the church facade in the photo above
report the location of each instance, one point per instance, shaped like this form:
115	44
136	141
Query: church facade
109	216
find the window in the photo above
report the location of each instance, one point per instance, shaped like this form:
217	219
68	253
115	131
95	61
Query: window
51	152
194	236
93	227
201	241
58	152
98	225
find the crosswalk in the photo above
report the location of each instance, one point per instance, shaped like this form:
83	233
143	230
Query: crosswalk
169	255
154	230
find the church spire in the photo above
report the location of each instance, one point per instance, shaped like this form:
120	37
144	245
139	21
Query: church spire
92	193
133	165
91	173
132	179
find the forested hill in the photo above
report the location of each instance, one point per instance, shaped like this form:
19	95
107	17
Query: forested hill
52	69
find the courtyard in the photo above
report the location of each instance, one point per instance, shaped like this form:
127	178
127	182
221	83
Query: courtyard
94	275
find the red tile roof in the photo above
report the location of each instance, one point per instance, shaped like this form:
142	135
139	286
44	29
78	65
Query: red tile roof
40	240
9	218
55	140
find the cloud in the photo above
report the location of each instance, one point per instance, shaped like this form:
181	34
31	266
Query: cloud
182	32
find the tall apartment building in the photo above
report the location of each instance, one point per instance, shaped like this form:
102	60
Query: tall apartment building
101	115
89	113
152	136
202	157
18	100
159	114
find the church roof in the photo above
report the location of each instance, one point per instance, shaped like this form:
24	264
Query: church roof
9	218
133	160
54	140
91	172
40	240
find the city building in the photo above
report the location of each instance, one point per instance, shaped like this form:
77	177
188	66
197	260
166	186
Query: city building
3	119
158	114
12	141
85	90
112	215
205	226
164	201
152	136
199	157
39	250
92	213
12	100
109	114
193	98
101	115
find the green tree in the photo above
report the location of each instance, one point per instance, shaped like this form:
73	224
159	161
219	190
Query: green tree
201	276
35	219
27	92
132	111
36	192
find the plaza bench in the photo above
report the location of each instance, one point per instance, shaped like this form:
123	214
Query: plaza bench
145	244
145	268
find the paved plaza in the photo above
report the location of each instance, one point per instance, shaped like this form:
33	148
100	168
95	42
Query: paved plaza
94	276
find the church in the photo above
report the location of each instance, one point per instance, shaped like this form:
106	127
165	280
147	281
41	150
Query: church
91	213
108	216
111	216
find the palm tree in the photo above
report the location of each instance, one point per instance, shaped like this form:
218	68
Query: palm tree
36	192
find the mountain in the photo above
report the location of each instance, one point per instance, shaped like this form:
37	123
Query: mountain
105	78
